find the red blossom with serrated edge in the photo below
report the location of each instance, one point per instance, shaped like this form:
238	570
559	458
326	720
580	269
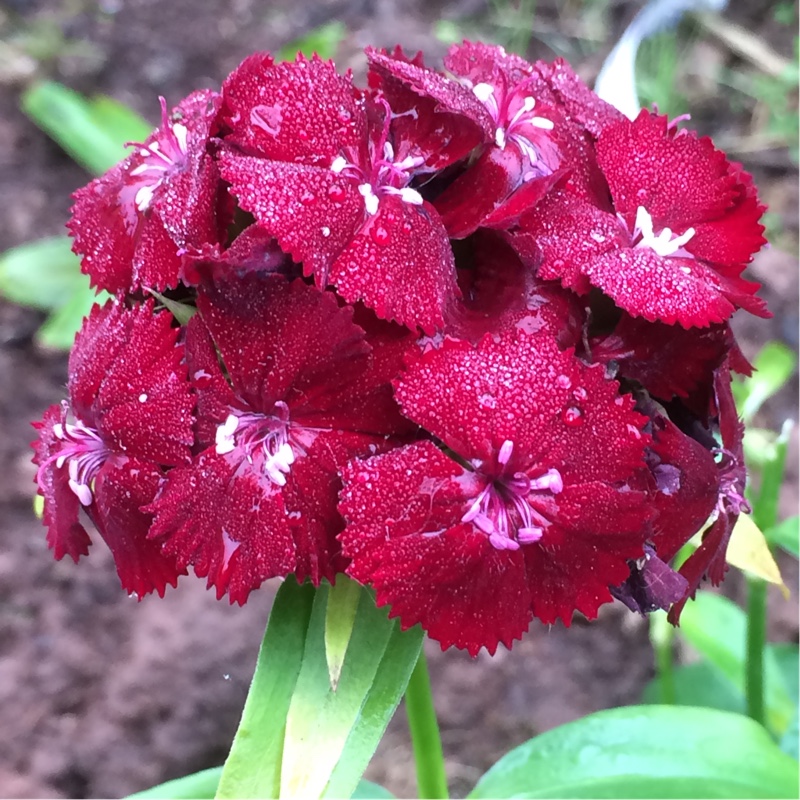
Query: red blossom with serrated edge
129	415
683	225
327	173
667	361
709	558
500	292
132	225
304	394
536	518
527	143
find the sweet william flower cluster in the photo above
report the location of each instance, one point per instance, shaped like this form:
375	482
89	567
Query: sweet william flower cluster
462	335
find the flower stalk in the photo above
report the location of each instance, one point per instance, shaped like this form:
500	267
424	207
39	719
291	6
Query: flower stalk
425	737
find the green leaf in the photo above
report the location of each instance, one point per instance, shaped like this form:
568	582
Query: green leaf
774	366
786	534
93	132
337	732
716	628
339	618
765	507
41	274
199	786
699	685
253	766
181	311
324	41
58	331
367	790
646	752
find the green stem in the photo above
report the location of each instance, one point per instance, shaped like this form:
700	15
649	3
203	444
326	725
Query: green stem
425	738
765	515
662	635
756	637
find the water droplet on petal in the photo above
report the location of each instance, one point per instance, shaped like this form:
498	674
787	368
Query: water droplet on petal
487	401
380	235
344	115
563	382
337	193
308	198
572	416
580	393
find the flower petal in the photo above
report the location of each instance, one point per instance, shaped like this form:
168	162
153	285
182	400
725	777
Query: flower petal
127	378
227	521
65	534
406	538
122	487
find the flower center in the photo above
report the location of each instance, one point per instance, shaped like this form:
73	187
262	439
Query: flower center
384	175
514	115
84	452
159	158
510	509
666	243
263	439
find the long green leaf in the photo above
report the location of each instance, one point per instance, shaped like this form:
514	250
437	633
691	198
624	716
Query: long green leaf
60	327
322	721
646	752
716	628
774	366
41	274
198	786
93	132
399	658
253	766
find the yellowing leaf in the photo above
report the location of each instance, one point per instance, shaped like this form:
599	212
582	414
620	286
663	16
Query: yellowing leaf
748	550
339	618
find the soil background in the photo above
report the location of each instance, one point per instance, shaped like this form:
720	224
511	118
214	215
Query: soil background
101	696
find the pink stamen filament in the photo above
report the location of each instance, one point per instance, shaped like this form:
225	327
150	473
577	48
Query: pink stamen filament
515	127
505	510
84	452
160	157
385	175
264	441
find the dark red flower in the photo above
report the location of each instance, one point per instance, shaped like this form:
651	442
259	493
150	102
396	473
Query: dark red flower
709	558
302	392
527	513
683	226
326	172
666	360
499	292
528	143
128	416
132	225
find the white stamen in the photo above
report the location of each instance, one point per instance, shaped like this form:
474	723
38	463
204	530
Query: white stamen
664	244
225	442
483	91
339	163
411	196
505	452
370	198
58	430
144	197
180	134
388	151
500	138
541	122
81	490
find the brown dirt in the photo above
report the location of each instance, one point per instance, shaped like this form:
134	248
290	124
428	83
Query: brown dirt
103	696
